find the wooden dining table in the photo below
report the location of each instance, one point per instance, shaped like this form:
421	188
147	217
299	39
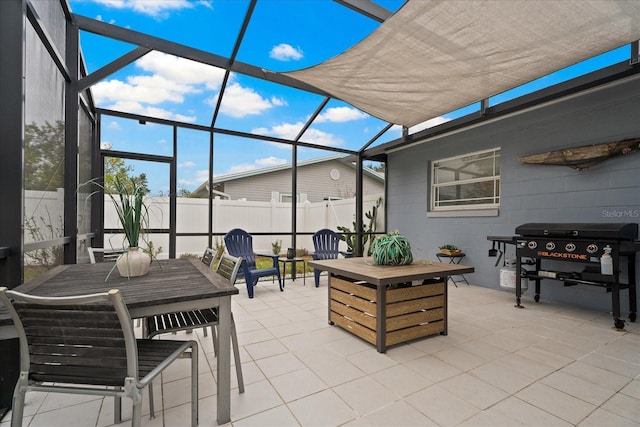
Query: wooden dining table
171	285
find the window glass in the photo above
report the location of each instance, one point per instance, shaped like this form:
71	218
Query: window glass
470	180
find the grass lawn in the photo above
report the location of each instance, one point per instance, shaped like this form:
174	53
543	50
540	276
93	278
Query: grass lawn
262	262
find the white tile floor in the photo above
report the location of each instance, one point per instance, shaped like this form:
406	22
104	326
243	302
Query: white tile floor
545	365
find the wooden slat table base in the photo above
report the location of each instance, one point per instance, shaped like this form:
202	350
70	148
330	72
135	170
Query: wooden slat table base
387	305
410	312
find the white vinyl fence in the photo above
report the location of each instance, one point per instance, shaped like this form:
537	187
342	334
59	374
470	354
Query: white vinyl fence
43	210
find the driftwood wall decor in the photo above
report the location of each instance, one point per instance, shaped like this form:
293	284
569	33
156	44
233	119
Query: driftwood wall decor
580	158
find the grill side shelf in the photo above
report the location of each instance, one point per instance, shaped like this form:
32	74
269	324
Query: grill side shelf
602	280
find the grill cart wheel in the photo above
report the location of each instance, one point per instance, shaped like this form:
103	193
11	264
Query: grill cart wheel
619	324
536	298
632	316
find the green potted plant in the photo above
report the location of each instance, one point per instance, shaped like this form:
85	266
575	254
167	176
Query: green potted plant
134	219
127	196
276	246
449	249
392	249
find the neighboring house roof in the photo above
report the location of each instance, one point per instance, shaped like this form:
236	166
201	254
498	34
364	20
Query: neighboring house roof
202	189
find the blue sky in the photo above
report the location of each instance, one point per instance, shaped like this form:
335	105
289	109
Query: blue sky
283	35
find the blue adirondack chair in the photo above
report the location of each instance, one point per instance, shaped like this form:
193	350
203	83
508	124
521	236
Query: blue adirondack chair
325	242
239	243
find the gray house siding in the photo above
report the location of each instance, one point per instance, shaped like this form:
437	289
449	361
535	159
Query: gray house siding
313	180
607	192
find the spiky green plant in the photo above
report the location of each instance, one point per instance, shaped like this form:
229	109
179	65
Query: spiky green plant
127	196
131	209
392	249
368	231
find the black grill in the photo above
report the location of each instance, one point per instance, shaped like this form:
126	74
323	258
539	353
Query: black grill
580	247
576	242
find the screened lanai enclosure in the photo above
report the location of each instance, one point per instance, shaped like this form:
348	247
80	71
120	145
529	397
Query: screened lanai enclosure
87	97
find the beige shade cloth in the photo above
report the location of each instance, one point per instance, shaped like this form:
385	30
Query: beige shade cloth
433	57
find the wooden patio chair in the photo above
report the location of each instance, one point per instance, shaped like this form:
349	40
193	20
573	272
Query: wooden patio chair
325	243
86	345
239	243
188	320
108	254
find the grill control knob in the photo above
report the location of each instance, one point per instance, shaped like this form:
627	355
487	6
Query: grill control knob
532	244
570	247
592	248
550	246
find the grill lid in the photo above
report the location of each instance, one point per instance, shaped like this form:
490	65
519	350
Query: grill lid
616	231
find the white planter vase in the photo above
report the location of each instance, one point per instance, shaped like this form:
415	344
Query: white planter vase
133	263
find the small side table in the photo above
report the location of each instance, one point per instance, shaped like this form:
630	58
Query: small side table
285	261
454	259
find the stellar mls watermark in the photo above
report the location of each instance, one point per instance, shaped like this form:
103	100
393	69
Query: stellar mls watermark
621	213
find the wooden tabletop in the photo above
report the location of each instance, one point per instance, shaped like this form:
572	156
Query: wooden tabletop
363	268
168	281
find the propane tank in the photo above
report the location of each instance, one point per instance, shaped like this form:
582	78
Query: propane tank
606	262
508	276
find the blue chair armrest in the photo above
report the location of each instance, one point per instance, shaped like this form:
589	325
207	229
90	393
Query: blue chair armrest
274	258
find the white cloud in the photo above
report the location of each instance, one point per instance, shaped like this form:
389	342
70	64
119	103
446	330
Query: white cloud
258	164
171	79
279	101
291	130
113	125
319	137
201	176
148	89
285	130
181	70
186	164
270	161
183	118
428	124
158	9
340	114
239	101
144	110
286	52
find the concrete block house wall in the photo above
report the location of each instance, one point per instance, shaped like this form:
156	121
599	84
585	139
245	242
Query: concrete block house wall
607	192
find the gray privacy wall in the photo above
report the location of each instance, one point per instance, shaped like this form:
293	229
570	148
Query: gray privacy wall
607	192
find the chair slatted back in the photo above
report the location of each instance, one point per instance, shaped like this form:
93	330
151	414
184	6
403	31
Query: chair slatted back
239	243
209	257
71	339
326	243
228	267
108	254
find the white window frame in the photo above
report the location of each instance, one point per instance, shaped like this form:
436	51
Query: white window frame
300	197
435	166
